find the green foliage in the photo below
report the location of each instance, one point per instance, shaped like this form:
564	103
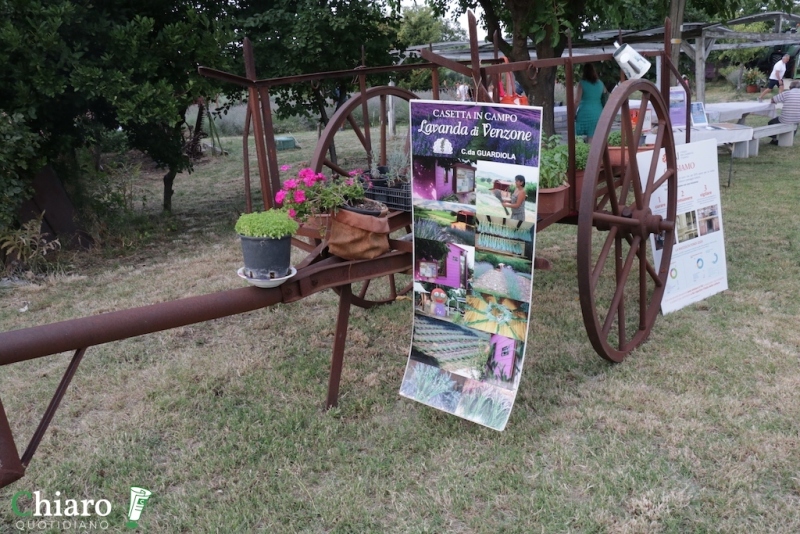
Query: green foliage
731	73
554	161
428	384
428	249
581	154
106	197
398	162
274	223
615	138
739	56
530	191
28	246
752	77
294	37
485	406
70	69
421	26
18	163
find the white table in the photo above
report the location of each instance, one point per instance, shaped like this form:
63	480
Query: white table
723	112
738	111
737	135
734	137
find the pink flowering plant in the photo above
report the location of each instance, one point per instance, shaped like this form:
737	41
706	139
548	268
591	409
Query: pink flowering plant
313	193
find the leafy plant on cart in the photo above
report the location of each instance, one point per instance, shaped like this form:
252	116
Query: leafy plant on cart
554	161
398	163
274	223
615	138
581	155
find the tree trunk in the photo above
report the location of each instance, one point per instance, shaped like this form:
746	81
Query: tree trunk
324	119
544	86
193	150
676	9
169	179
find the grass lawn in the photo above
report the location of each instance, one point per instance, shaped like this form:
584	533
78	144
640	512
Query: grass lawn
698	431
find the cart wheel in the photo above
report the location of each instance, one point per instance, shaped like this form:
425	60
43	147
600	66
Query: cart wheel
378	291
621	282
355	113
385	289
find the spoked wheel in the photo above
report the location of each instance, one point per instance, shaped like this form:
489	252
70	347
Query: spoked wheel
378	291
355	115
621	278
385	289
357	142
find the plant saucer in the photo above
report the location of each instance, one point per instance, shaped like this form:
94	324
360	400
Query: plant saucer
265	282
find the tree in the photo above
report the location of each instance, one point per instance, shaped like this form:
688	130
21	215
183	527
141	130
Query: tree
68	65
547	23
421	26
293	37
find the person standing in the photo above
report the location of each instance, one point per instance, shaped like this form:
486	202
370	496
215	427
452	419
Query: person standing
461	92
776	77
589	101
516	201
790	113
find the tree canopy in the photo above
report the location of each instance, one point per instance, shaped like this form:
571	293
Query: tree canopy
307	36
69	65
421	26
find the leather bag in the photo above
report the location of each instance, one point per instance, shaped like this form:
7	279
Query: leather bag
355	236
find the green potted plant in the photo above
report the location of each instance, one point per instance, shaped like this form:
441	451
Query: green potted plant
581	159
614	145
752	79
266	238
615	138
394	188
553	167
553	164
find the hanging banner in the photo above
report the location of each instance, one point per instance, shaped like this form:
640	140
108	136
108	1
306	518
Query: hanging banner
475	175
698	268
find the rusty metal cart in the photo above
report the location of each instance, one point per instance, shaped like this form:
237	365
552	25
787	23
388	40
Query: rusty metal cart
620	285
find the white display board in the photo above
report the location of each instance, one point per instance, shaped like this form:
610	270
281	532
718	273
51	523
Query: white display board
698	268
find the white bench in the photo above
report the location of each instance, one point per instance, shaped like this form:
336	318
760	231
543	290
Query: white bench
785	133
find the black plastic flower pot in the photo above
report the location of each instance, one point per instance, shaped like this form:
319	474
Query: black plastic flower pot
266	258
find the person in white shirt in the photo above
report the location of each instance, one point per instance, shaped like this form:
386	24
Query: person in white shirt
776	77
461	92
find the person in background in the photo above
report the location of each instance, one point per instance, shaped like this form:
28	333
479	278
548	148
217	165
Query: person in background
588	98
790	113
776	77
461	92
